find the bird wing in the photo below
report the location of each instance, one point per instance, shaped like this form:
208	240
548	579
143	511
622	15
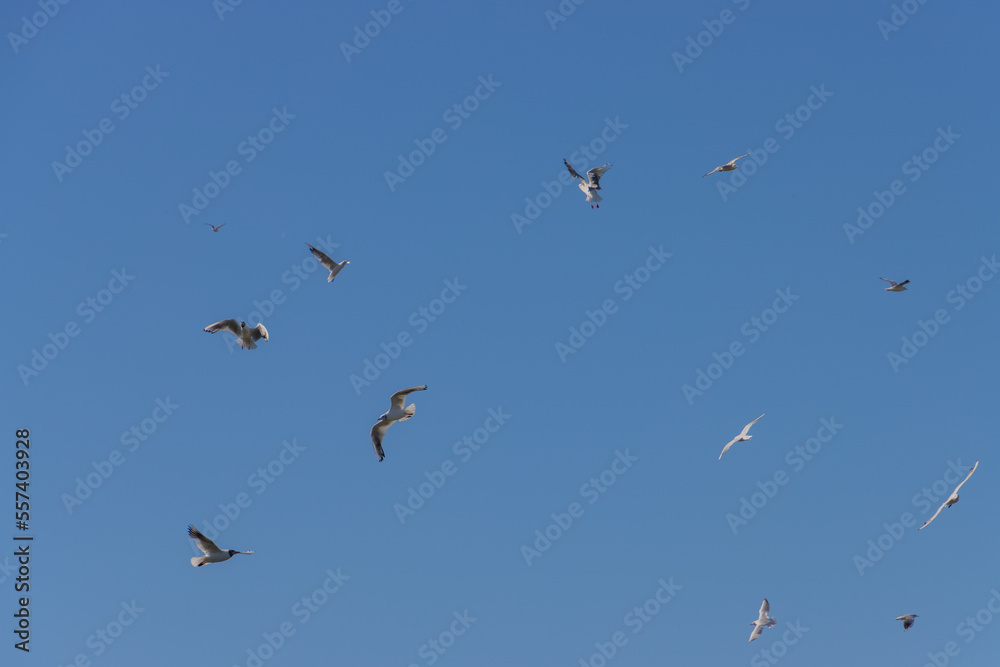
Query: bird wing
572	171
595	174
903	283
378	432
726	448
966	478
757	629
205	544
232	326
711	172
323	258
926	523
398	400
892	283
765	608
733	161
747	427
259	332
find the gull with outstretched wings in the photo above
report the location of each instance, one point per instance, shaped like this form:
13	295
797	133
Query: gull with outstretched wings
592	183
763	621
952	499
213	554
907	620
894	286
328	264
398	412
741	437
729	166
246	336
215	228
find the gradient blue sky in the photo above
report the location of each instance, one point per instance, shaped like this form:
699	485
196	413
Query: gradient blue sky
328	126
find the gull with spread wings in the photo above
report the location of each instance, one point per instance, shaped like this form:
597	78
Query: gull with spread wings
328	264
741	437
952	499
763	621
592	183
729	166
894	286
213	554
398	412
246	336
907	620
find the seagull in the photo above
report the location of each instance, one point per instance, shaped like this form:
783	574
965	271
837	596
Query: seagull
246	336
213	554
215	228
894	286
397	412
329	264
729	166
763	621
907	620
741	437
952	499
592	183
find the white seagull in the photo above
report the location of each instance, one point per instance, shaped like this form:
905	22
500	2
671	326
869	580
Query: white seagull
729	166
894	286
246	336
741	437
213	554
952	499
592	183
398	412
330	265
215	228
907	620
763	621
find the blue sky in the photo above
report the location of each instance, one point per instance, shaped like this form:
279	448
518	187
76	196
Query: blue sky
557	498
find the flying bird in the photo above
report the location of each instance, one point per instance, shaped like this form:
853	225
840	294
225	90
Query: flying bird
952	499
741	437
246	336
592	183
330	265
398	412
763	621
215	228
729	166
894	286
907	620
213	554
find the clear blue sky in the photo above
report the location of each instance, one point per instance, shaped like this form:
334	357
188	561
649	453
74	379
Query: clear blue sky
556	340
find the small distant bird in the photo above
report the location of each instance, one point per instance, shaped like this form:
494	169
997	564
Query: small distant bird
592	183
246	336
763	621
398	412
213	554
894	286
952	499
330	265
907	620
741	437
215	228
729	166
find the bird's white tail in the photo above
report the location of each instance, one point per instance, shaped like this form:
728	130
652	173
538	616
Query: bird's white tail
330	277
592	196
250	345
197	561
408	412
